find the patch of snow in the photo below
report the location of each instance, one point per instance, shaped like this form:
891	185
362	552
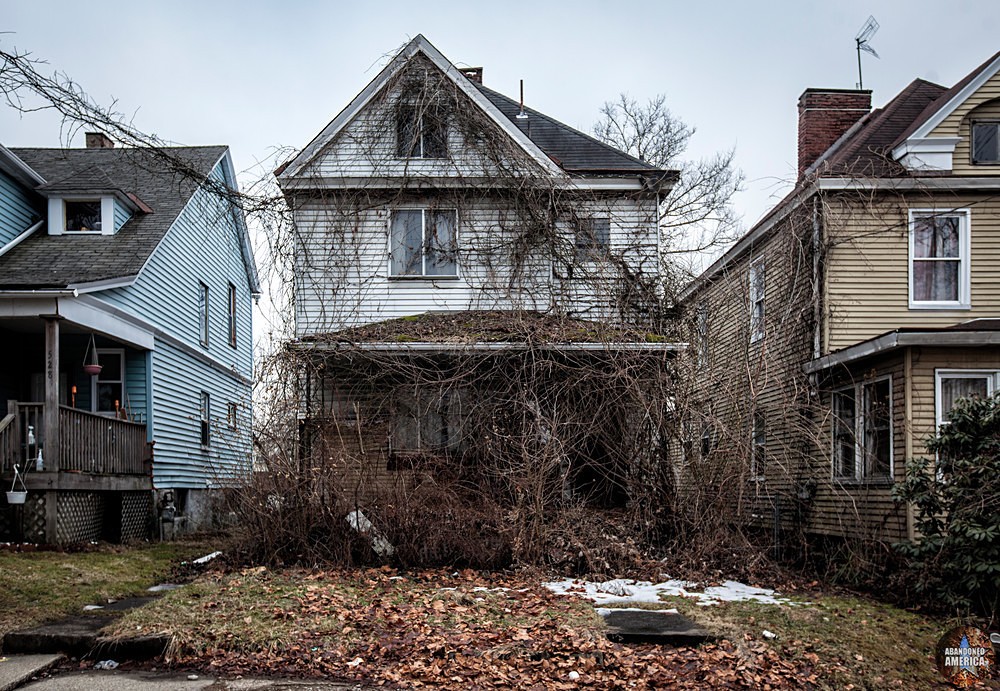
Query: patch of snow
91	608
207	558
605	611
626	590
163	587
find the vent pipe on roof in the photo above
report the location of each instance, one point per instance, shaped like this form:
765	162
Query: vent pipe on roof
473	74
522	115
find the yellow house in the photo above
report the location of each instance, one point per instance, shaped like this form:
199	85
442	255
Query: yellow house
836	335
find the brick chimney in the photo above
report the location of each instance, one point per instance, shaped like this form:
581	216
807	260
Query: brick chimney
99	140
474	74
824	116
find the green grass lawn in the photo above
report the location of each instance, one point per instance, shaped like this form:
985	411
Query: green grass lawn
36	587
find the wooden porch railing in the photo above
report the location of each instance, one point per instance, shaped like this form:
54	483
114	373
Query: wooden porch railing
88	443
92	443
10	443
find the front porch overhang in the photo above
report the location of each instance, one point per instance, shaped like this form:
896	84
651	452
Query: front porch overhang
83	311
950	337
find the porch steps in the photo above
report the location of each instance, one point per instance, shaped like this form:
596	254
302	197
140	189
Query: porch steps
664	627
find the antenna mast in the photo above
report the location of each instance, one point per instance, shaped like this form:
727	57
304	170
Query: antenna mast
867	31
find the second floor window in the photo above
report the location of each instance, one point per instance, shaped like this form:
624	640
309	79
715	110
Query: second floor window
232	315
939	259
593	238
203	314
421	131
756	301
423	242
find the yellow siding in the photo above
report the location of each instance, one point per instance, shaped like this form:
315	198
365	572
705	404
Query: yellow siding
951	125
867	265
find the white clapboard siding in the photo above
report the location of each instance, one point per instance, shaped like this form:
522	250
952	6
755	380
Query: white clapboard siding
342	264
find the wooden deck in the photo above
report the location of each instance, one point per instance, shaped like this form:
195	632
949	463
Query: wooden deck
95	452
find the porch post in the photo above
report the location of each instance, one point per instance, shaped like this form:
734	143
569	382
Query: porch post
50	418
50	421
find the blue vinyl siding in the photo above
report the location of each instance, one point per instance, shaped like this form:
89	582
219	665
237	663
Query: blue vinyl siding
18	209
122	215
180	460
135	384
203	245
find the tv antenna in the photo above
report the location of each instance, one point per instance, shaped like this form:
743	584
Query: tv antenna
867	31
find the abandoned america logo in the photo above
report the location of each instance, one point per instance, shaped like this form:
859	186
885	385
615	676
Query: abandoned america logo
965	656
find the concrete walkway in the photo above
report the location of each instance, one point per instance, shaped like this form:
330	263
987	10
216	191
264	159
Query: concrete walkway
15	670
92	680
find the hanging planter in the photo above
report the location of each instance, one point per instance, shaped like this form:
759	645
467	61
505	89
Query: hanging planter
17	496
90	364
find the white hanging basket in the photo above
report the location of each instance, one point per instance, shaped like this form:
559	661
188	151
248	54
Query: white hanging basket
16	497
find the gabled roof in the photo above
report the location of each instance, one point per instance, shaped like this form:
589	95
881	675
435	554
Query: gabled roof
946	103
62	261
556	147
865	148
865	151
570	149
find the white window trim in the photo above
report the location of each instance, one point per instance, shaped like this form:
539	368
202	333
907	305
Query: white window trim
965	261
991	375
205	419
757	330
57	215
94	379
204	318
860	462
423	239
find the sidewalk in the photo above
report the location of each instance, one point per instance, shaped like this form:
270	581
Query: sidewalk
146	681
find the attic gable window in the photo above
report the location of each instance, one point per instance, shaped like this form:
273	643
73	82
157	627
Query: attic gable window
423	242
421	131
986	142
83	216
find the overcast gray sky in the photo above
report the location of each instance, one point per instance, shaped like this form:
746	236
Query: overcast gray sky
256	75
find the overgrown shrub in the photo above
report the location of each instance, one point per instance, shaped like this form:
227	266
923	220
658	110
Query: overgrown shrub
956	560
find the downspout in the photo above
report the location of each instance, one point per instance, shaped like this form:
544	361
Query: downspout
20	238
817	237
908	431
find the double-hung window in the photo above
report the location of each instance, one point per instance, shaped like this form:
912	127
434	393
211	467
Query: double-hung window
423	242
756	279
986	142
421	131
701	316
862	431
954	384
232	315
939	259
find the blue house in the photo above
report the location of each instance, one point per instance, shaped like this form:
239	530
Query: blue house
126	287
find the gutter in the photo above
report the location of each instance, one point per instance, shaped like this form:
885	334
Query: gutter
895	339
20	238
45	293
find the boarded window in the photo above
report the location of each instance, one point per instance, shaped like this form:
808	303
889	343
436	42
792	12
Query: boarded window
986	142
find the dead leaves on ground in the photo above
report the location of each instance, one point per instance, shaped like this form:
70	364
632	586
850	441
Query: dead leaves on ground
462	630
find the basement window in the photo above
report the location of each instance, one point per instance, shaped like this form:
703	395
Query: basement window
986	142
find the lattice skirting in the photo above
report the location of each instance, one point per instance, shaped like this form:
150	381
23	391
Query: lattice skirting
80	517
